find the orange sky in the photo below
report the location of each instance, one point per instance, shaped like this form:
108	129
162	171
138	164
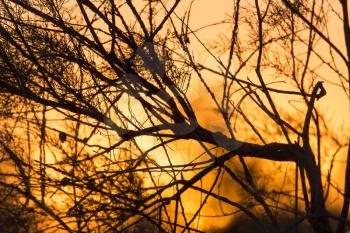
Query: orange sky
335	104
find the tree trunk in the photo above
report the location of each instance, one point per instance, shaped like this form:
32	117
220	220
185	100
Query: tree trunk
317	214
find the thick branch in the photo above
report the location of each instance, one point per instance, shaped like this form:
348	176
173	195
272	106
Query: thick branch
272	151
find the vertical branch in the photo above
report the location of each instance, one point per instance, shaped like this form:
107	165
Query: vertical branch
258	71
346	26
296	207
42	167
139	19
317	208
346	201
226	90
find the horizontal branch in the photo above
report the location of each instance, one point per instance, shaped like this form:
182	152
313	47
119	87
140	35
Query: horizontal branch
272	151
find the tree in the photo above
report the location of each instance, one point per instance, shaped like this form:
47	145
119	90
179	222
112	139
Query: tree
96	95
14	215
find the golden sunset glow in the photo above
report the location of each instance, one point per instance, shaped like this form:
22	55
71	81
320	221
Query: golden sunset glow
174	116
